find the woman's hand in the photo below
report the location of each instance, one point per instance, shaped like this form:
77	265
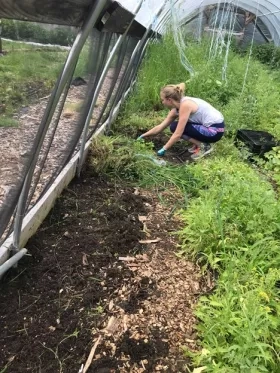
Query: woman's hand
172	115
161	152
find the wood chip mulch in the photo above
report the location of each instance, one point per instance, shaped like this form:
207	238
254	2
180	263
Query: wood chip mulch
155	314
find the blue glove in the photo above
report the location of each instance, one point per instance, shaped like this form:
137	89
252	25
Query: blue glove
140	138
161	152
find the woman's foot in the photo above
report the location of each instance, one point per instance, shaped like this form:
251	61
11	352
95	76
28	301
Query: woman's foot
200	152
192	148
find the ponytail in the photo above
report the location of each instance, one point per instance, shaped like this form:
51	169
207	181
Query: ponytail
174	91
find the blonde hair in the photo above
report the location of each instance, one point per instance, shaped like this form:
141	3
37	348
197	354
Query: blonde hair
173	91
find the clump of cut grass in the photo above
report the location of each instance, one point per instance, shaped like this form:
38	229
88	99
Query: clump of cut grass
135	161
120	157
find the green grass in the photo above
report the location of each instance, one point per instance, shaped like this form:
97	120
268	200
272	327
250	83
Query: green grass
7	122
252	109
134	161
26	67
231	218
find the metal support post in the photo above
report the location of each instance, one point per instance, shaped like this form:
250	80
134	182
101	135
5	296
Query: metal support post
99	85
50	109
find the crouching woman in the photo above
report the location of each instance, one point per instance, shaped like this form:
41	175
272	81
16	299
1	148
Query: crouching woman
191	119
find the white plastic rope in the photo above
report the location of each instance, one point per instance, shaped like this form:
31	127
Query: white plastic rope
230	34
251	49
178	38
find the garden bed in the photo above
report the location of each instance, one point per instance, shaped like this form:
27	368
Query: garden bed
101	269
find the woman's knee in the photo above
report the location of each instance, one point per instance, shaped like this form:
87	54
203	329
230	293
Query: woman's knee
212	140
173	126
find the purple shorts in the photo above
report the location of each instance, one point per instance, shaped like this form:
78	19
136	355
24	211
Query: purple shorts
201	133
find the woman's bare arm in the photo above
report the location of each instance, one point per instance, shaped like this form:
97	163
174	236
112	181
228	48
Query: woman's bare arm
172	115
186	109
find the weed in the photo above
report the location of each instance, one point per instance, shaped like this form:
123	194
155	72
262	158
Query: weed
235	208
138	122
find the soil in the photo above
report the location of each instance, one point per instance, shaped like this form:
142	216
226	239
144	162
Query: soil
178	154
101	285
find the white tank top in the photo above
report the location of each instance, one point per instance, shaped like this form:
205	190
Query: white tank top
206	114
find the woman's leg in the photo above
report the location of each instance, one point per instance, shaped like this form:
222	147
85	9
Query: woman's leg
206	135
192	141
200	136
185	137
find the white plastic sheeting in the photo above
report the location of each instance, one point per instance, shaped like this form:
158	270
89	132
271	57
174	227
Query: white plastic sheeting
148	9
266	10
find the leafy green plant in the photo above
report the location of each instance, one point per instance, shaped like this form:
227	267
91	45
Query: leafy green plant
240	323
234	208
271	164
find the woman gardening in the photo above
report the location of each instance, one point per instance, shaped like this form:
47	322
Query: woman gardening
197	122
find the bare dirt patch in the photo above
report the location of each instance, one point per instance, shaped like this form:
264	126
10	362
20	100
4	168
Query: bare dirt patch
178	154
102	276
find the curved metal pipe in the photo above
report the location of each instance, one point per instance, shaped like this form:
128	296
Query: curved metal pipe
12	261
52	104
98	88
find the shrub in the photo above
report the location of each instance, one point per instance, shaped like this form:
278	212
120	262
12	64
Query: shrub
267	54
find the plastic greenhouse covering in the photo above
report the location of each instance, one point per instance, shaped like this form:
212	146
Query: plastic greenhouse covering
267	12
117	34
